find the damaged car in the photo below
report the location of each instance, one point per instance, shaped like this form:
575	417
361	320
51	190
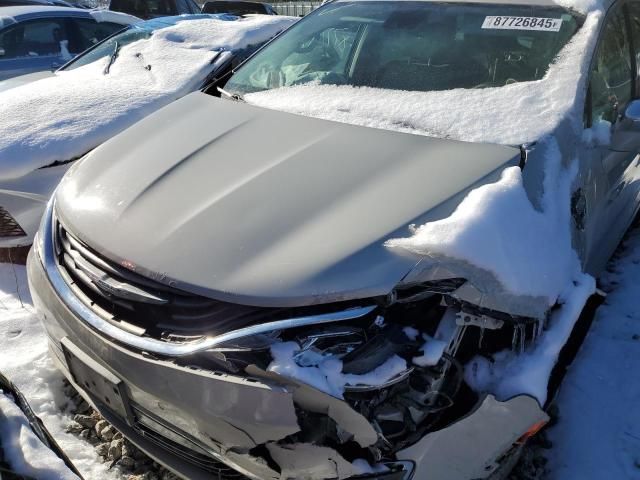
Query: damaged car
49	123
363	254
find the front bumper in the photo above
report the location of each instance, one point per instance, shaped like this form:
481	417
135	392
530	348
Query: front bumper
193	421
208	411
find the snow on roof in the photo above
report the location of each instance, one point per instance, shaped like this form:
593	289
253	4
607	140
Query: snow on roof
63	117
512	114
103	15
6	20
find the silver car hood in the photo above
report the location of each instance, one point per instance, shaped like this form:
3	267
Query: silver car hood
261	207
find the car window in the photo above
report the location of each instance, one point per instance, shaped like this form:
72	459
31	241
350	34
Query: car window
89	32
184	6
144	8
193	6
415	46
611	80
33	38
109	46
634	17
234	8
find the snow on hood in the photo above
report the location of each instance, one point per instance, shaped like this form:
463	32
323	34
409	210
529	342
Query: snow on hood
104	15
497	228
61	118
510	115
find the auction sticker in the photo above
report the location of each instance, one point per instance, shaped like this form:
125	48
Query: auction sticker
522	23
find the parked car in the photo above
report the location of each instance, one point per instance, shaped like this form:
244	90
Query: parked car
154	8
49	123
238	7
365	259
43	38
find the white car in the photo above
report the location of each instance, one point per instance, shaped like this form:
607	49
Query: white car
49	123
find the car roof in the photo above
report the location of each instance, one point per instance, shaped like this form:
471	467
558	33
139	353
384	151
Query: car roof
25	12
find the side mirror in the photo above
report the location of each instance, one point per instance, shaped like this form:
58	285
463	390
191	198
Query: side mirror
633	111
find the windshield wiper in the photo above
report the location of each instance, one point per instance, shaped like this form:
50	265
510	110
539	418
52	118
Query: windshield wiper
233	96
113	57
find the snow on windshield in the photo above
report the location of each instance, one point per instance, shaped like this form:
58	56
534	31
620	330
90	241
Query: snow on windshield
63	117
512	114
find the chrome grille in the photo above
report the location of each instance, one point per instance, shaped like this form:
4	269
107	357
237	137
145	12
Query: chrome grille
147	308
8	226
141	305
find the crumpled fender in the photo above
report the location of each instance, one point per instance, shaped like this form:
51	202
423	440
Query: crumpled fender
316	401
468	449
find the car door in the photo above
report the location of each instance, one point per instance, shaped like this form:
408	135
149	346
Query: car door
615	140
33	46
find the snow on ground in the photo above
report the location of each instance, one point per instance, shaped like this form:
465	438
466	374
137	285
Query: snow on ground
598	432
20	446
24	359
65	116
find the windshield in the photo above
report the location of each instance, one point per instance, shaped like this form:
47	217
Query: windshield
416	46
234	8
109	46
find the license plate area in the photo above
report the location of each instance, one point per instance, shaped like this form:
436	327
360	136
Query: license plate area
103	386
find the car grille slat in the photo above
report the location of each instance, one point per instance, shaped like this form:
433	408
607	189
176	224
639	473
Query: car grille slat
8	225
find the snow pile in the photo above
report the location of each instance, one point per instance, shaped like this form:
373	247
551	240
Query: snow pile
327	374
23	450
599	134
513	114
497	229
432	351
63	117
528	373
104	15
24	359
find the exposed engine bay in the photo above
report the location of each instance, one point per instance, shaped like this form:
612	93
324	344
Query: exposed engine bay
425	335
